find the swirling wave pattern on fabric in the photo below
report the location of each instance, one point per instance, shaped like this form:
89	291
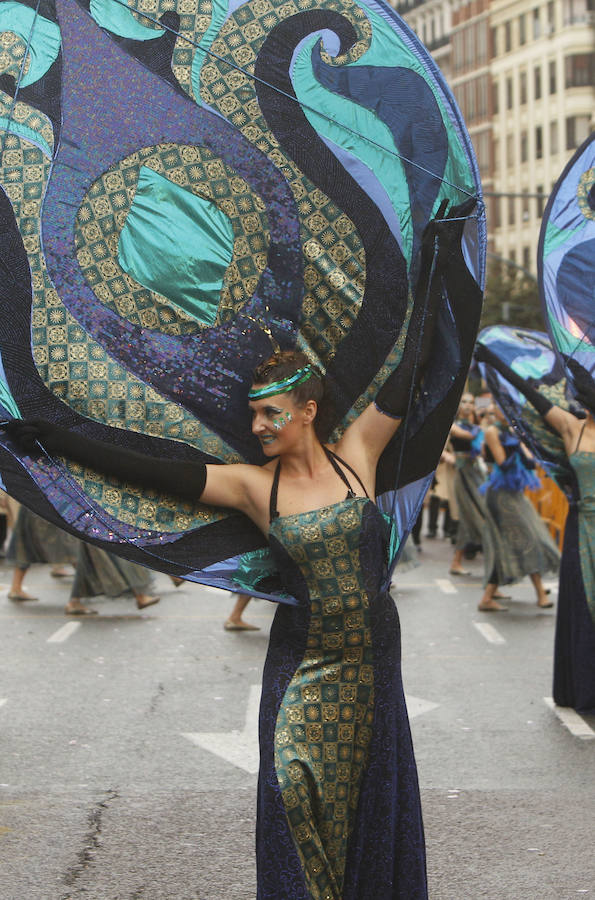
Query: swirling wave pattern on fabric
530	354
185	186
566	260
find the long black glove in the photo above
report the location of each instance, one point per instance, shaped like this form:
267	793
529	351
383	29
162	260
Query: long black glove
582	384
537	400
182	478
440	241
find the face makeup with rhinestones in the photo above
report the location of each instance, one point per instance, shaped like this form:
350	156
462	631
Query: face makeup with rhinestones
272	418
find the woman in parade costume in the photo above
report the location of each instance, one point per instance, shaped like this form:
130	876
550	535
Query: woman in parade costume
466	440
339	812
516	542
36	541
98	572
574	654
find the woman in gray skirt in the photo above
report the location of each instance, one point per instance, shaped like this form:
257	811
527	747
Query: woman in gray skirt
33	541
99	572
466	439
515	542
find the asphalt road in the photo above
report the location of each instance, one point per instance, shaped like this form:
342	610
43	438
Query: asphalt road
128	757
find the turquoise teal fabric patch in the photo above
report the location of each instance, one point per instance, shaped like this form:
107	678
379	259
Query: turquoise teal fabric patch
110	14
42	36
11	127
177	244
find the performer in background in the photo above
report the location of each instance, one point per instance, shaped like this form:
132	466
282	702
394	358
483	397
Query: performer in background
574	656
466	439
515	540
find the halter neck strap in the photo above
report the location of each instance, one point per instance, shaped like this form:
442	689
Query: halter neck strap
334	461
580	437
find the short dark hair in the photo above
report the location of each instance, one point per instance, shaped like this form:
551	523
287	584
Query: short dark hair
286	363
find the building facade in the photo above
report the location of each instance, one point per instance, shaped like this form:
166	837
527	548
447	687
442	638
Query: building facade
523	73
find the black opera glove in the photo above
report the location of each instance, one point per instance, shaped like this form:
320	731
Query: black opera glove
440	244
180	477
536	399
582	384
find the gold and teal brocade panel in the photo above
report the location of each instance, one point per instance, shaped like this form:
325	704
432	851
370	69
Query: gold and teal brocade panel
324	725
334	258
103	213
76	368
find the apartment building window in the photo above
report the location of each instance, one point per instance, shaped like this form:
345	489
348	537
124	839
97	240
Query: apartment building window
495	210
496	154
495	98
507	37
522	29
471	106
552	77
577	131
551	16
538	142
554	143
537	82
575	11
481	142
481	30
510	160
523	88
511	210
526	257
494	39
540	201
509	93
524	147
469	47
512	256
482	97
536	23
580	70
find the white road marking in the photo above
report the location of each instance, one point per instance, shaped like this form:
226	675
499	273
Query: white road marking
488	632
446	586
571	719
3	701
240	748
417	707
62	634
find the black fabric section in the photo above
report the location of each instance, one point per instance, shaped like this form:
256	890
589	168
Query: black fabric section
385	299
456	331
155	54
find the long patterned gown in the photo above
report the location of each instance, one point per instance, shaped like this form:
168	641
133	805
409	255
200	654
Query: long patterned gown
574	656
339	815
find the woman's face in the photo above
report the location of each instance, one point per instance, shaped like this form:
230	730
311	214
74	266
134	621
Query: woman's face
276	422
466	406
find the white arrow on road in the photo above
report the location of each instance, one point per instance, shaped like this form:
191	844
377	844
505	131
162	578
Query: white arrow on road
240	748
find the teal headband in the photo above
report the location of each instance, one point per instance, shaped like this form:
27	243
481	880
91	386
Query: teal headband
281	387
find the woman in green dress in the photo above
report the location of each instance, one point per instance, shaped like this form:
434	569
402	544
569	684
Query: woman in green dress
339	812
